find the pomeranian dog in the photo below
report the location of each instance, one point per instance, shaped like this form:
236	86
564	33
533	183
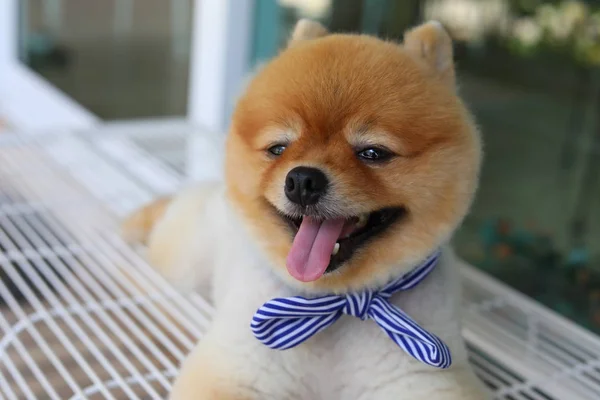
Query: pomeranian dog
349	164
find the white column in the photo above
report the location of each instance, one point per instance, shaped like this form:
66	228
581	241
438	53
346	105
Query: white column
220	52
221	40
9	17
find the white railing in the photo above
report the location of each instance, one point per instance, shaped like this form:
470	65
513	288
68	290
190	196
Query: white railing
83	315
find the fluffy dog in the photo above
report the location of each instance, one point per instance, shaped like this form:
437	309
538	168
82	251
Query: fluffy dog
350	161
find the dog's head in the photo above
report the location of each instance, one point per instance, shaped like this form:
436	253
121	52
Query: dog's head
352	158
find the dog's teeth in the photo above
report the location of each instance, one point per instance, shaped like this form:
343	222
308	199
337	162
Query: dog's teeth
336	249
362	221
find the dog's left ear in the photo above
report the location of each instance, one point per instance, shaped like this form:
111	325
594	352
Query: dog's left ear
306	29
432	44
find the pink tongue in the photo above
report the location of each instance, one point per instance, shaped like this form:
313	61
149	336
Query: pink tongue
311	251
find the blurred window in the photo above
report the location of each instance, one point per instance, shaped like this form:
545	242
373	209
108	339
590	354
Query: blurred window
118	58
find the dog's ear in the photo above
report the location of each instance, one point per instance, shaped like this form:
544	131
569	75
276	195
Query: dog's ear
432	44
306	29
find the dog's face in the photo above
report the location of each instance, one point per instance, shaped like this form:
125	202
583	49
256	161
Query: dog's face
351	158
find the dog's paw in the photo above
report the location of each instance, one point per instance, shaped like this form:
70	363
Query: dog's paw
136	228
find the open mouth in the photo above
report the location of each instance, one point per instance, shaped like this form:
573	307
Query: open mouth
322	246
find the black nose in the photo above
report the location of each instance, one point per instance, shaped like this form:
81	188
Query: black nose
304	185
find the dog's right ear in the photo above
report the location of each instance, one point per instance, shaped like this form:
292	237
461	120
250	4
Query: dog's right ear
432	44
306	29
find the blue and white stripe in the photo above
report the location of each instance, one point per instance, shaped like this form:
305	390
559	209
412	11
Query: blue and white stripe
283	323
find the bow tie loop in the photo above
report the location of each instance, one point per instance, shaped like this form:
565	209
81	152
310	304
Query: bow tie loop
358	304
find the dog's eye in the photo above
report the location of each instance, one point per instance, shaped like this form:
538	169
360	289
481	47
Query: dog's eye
277	150
374	154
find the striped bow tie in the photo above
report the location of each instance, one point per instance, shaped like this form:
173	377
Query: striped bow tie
285	322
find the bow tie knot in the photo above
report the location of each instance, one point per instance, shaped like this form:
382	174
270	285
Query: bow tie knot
358	304
283	323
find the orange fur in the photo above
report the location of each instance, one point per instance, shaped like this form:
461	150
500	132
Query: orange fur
331	91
